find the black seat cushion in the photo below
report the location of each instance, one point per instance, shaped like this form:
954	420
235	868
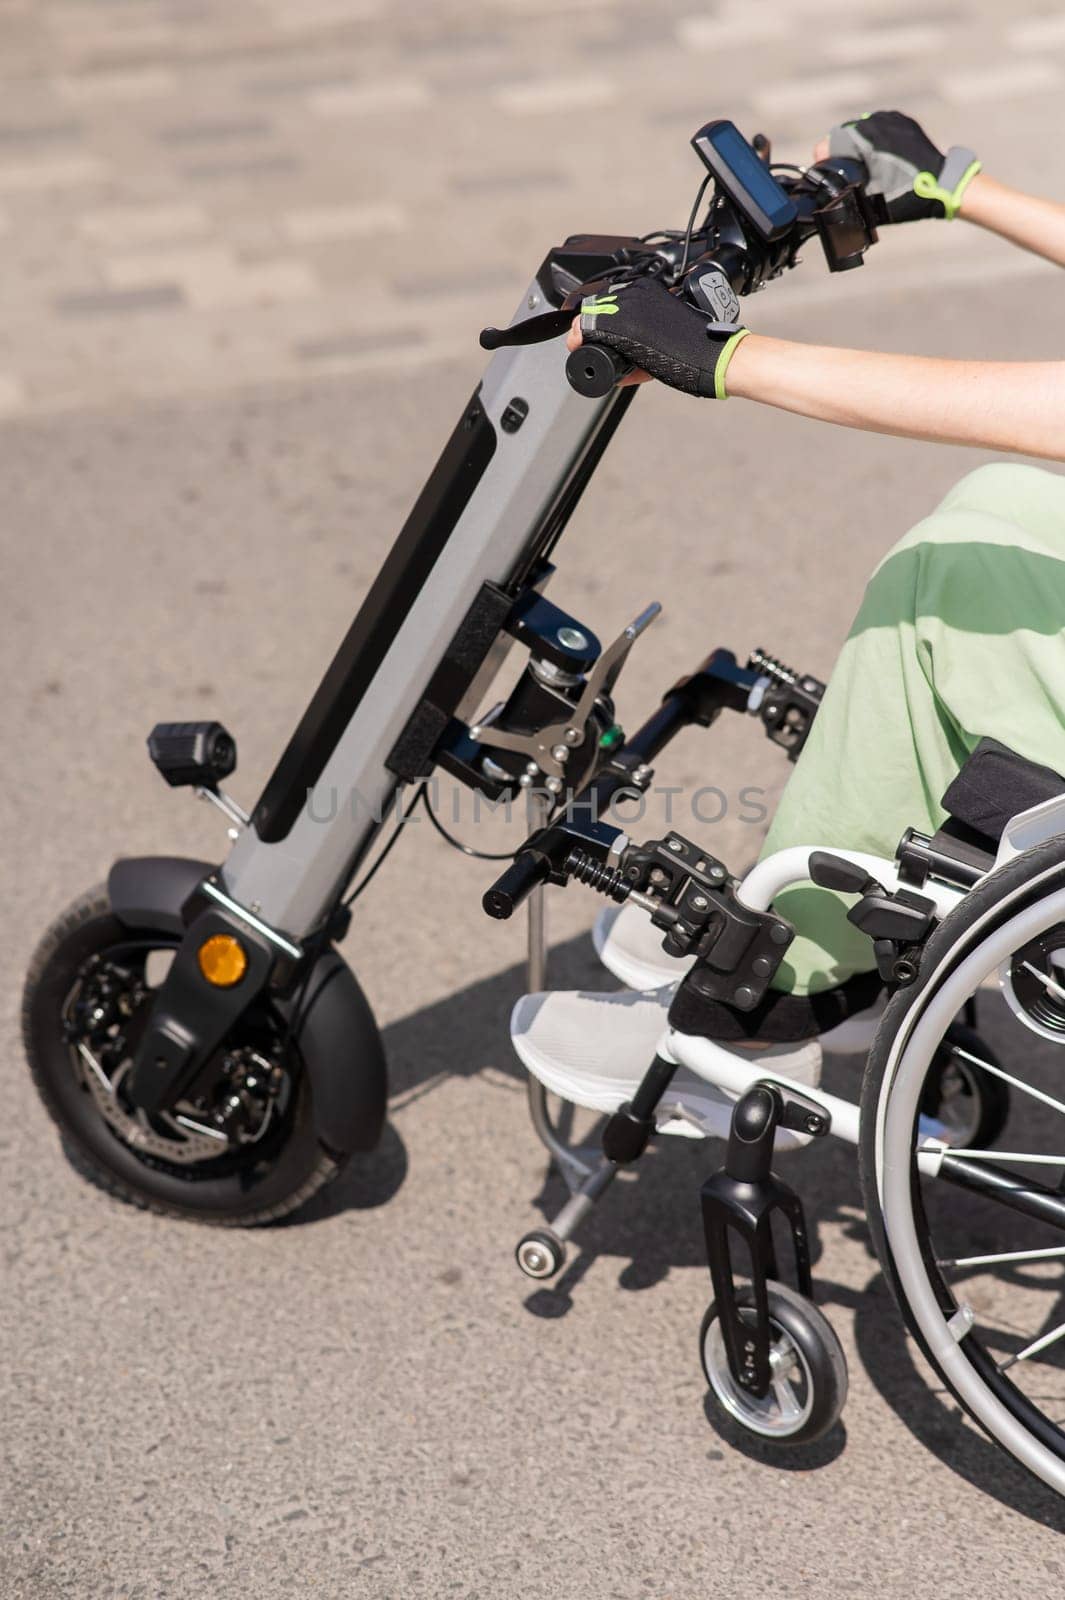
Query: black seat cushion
994	785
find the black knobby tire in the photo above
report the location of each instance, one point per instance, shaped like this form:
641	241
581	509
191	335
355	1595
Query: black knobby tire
824	1367
995	902
260	1186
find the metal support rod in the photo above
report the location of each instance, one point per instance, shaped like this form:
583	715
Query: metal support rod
538	813
1008	1188
583	1200
575	1164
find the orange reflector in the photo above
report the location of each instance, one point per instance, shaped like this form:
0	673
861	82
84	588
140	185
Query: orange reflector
223	960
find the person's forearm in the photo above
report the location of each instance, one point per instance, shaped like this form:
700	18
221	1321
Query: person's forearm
1034	224
995	405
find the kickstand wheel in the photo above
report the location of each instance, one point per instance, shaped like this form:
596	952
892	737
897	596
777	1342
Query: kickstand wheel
540	1254
808	1372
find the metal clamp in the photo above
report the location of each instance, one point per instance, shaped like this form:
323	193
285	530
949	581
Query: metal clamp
550	747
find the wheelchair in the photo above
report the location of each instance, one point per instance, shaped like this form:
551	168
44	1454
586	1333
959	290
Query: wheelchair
956	1125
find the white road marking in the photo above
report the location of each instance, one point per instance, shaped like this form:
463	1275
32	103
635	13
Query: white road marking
320	224
840	90
748	26
146	83
1008	80
139	225
212	279
12	395
544	95
884	44
921	276
364	99
309	14
1037	33
61	173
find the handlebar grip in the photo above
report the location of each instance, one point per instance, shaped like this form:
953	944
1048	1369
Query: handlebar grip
525	873
594	369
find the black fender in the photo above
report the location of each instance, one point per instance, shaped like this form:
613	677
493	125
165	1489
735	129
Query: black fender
149	891
337	1035
342	1050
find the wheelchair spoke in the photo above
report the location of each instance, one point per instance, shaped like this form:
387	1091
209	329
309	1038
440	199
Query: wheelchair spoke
1007	1077
1034	1348
1048	983
1001	1155
1005	1255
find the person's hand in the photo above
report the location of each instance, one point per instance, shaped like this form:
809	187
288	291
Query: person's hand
664	337
914	177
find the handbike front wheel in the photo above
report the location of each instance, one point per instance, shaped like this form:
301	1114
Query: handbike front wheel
972	1239
240	1150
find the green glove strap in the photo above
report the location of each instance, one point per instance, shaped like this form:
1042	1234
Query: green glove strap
728	350
928	187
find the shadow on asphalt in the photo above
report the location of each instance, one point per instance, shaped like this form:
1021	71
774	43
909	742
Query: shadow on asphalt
650	1219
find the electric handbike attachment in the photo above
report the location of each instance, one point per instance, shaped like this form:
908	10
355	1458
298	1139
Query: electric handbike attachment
206	1050
192	1026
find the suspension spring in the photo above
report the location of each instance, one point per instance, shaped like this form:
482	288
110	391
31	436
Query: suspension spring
609	881
761	661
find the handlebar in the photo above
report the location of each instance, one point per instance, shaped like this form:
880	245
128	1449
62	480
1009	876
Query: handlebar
526	872
830	202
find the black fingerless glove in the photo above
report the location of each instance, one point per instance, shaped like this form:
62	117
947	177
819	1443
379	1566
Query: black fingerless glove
667	337
915	179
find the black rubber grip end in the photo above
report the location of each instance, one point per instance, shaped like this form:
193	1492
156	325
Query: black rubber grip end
594	370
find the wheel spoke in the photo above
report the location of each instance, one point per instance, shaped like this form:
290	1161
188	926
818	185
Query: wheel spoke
959	1154
1035	1347
1048	983
1005	1255
200	1127
1007	1077
95	1068
786	1398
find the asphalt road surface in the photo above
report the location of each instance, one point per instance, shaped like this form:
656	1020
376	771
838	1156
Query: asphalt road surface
246	253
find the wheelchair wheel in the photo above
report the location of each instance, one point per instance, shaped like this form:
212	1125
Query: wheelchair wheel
809	1382
972	1238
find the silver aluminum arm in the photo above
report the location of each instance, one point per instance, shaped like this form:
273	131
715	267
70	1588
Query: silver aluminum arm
290	880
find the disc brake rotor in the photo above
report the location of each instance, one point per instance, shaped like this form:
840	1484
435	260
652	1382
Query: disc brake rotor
97	1018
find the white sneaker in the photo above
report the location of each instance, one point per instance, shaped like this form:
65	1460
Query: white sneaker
630	946
594	1049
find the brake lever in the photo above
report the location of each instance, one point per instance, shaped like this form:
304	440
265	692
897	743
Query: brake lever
548	325
534	330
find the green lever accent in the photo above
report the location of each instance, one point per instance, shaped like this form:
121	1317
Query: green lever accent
612	738
593	307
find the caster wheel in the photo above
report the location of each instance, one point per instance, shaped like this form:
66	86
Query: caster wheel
809	1373
540	1254
969	1104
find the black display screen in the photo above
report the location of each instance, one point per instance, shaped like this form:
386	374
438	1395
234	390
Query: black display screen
745	178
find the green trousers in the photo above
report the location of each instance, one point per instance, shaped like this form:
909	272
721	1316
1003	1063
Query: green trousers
960	636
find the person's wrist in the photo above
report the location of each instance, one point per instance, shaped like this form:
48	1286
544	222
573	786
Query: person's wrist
975	201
